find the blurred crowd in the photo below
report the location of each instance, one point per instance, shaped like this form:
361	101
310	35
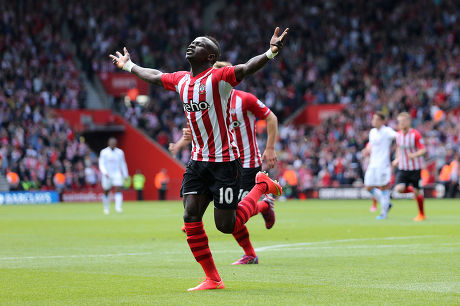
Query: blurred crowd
37	144
38	73
36	62
389	55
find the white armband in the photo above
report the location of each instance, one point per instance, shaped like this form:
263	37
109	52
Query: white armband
270	54
128	66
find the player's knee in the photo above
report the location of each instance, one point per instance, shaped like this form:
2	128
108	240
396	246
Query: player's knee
226	226
191	217
400	188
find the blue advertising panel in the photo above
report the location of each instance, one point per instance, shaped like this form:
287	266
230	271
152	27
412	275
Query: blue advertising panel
28	197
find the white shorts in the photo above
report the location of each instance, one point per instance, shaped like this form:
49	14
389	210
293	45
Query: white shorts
114	179
378	177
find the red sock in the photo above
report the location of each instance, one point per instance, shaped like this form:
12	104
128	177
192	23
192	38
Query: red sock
408	189
248	206
262	206
198	243
242	237
420	200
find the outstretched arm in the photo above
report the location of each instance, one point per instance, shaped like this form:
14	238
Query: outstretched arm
257	62
124	62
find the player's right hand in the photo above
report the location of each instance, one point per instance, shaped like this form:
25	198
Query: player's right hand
395	163
120	60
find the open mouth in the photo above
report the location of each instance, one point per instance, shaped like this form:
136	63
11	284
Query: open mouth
190	50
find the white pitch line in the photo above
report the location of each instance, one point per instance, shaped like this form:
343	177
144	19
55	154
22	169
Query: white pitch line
76	256
275	247
290	245
367	246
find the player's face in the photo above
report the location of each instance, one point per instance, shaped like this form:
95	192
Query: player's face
403	123
112	143
199	49
377	122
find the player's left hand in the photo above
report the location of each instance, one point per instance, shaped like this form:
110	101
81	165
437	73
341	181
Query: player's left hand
276	43
411	155
269	157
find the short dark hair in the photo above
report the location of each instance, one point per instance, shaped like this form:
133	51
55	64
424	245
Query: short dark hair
216	46
381	115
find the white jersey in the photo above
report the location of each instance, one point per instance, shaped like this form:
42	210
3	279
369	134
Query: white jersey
380	143
112	163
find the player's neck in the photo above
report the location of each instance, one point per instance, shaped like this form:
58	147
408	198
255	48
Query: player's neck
198	68
406	130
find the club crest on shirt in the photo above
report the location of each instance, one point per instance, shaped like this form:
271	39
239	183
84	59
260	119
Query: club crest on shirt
202	89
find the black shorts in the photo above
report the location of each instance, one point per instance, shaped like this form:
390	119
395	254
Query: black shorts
219	181
408	177
248	181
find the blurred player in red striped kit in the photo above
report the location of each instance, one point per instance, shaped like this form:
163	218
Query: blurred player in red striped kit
214	171
409	160
245	108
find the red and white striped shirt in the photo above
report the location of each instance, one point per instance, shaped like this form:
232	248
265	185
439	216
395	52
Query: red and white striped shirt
244	109
205	99
407	143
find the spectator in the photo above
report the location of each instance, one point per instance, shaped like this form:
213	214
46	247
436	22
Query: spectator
161	184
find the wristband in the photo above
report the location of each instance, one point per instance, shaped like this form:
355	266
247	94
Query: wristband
270	54
128	66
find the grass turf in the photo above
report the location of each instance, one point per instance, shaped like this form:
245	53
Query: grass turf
319	252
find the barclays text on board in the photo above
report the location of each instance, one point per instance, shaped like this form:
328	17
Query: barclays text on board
28	197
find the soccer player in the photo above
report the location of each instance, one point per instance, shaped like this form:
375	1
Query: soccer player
378	173
112	165
214	171
245	108
409	160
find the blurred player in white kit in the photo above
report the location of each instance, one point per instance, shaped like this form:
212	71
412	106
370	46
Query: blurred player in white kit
112	165
378	174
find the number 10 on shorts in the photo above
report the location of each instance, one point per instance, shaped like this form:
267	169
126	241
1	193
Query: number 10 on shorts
226	195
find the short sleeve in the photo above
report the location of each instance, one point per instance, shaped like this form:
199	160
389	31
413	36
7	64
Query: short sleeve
419	143
255	106
170	80
227	74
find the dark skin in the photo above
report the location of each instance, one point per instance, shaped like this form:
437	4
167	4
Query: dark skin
202	53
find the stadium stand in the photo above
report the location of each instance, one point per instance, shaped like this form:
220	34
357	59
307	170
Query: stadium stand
36	144
38	74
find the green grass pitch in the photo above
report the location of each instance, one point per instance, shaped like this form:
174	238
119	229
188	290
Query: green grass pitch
318	252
